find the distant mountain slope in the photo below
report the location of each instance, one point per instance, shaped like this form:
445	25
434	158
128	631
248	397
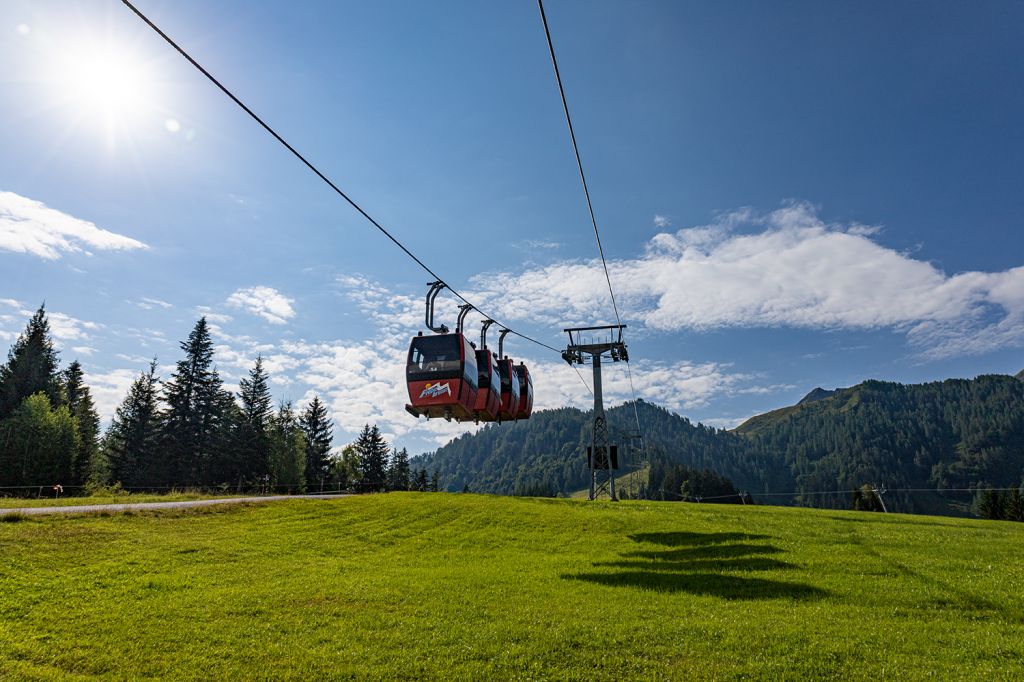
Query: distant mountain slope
1020	375
951	434
548	451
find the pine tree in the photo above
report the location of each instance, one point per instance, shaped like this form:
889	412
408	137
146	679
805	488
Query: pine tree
373	458
990	504
399	476
1015	505
88	465
287	451
31	367
435	482
131	445
249	458
197	416
316	426
421	481
39	444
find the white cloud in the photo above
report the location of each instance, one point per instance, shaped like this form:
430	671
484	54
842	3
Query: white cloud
83	350
661	222
266	302
28	226
109	389
783	268
211	315
67	328
135	359
147	303
542	244
11	303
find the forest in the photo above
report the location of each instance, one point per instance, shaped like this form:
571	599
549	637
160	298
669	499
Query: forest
187	431
934	447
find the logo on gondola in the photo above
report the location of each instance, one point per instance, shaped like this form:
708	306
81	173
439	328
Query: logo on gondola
435	390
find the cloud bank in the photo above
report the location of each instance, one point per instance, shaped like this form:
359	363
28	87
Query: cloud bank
28	226
781	268
268	303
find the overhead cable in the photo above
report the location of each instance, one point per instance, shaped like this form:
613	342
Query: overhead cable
318	173
586	193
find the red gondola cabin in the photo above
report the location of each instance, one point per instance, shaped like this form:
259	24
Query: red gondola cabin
488	396
442	377
509	390
525	391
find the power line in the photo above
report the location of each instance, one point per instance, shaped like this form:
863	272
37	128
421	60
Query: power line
318	173
579	162
847	492
586	193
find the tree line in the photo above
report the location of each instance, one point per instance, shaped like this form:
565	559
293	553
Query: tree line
185	431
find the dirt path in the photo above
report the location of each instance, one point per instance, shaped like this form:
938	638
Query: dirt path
135	506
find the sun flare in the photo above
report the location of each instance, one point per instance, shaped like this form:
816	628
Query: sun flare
106	84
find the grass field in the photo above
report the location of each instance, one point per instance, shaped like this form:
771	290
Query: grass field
469	586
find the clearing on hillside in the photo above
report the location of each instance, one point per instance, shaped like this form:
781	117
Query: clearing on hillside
469	586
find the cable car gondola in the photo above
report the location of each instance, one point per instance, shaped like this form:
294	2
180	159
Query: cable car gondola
448	377
442	377
525	391
509	390
488	396
441	371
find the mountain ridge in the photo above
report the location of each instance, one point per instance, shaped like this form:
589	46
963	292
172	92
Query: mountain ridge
957	433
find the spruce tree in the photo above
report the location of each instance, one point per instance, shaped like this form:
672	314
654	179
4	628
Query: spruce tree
131	445
88	467
399	476
249	459
420	479
316	425
373	458
435	482
31	367
287	451
197	416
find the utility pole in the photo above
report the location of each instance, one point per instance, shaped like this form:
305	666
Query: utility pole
878	493
602	457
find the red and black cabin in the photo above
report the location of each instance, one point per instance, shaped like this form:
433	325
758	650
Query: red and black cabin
442	377
509	390
525	391
488	396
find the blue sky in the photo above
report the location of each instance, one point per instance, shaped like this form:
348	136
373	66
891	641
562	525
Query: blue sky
790	194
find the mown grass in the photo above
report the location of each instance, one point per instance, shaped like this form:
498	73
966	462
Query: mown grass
106	498
476	587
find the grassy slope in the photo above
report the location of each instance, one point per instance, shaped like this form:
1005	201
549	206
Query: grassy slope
481	587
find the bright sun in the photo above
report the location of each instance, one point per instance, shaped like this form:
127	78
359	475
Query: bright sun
106	84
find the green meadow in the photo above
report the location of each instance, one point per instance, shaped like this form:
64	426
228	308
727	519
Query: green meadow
474	587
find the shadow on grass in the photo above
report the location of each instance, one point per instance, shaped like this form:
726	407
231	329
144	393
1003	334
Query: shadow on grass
684	539
715	584
710	552
737	564
702	563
